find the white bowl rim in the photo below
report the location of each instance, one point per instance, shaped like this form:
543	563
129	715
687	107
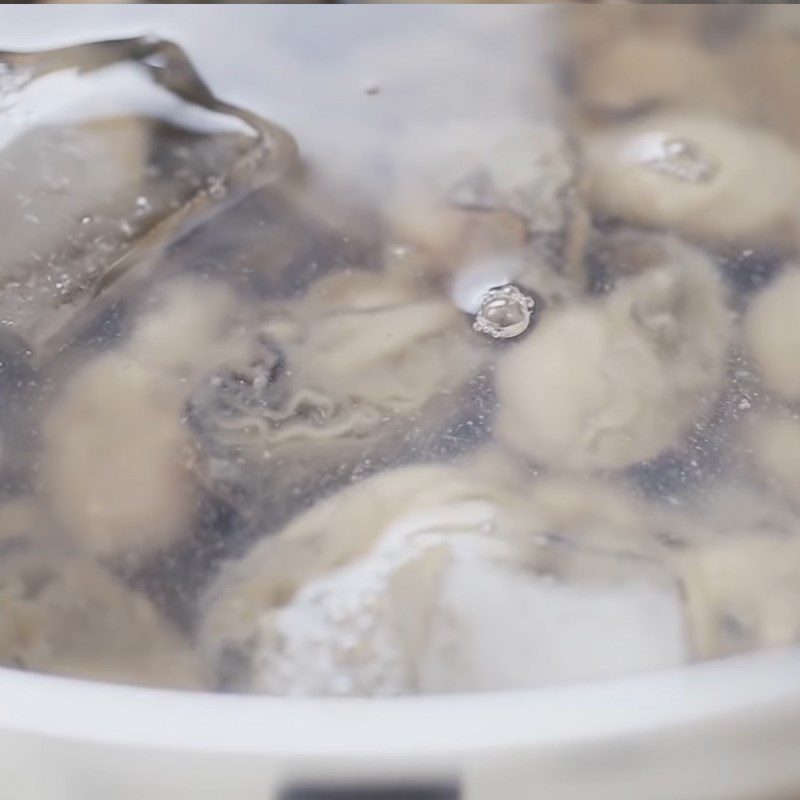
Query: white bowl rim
420	727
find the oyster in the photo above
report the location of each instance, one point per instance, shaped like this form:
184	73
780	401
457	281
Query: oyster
772	334
616	381
697	175
64	615
376	591
364	366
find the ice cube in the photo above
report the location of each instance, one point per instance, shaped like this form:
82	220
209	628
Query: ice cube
500	627
108	152
439	606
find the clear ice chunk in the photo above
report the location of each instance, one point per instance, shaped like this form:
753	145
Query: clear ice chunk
440	604
108	152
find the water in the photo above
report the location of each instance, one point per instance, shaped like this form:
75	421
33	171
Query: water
470	371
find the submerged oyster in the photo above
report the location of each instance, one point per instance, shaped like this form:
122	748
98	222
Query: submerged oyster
635	73
504	187
376	591
328	381
612	382
696	175
64	615
528	174
773	441
113	467
733	551
115	453
772	334
742	594
770	62
370	339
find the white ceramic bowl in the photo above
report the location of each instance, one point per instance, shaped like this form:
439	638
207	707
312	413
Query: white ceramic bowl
728	729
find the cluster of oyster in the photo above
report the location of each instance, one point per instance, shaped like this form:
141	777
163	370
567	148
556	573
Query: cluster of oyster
548	430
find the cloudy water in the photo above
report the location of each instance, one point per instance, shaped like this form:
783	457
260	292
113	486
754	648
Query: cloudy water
429	350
